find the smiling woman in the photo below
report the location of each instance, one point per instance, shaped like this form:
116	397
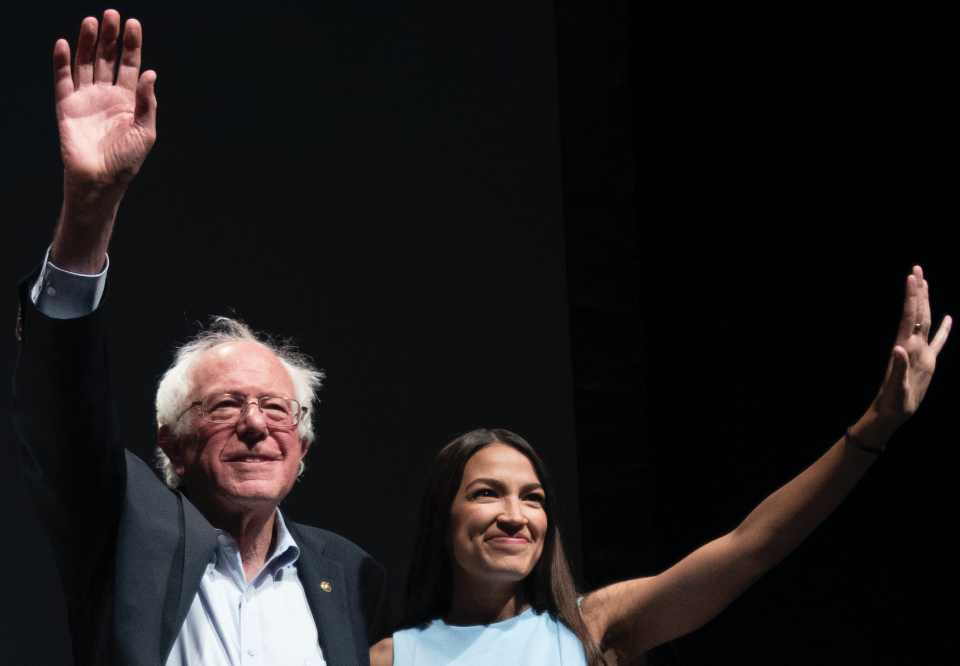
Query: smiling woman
497	523
489	582
488	550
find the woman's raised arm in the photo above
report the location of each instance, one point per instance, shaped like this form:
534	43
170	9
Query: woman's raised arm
637	615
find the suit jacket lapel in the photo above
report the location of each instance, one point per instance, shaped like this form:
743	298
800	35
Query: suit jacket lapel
326	592
198	542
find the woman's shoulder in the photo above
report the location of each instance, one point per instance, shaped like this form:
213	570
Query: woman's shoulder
381	653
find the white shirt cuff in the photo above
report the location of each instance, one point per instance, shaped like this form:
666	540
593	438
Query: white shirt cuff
64	295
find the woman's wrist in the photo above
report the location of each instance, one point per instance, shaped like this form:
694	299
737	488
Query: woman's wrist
872	431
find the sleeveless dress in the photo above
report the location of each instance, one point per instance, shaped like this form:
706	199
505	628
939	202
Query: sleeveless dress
529	639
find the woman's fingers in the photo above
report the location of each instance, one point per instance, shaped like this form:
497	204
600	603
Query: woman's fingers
911	304
925	311
900	362
941	337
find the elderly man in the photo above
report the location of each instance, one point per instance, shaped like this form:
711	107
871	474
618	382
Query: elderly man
207	570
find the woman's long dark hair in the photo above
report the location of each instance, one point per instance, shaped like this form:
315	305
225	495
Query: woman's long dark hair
427	592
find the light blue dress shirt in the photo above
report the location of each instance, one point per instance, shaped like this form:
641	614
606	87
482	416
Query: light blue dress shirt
64	295
266	622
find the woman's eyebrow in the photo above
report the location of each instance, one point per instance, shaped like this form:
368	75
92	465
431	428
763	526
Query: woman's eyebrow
490	482
500	485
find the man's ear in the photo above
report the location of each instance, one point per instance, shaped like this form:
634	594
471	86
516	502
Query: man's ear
170	446
304	448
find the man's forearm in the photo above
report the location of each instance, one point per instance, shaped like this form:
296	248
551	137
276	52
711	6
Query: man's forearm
83	230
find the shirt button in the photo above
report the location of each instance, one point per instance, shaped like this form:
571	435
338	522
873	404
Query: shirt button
252	651
222	539
51	291
247	597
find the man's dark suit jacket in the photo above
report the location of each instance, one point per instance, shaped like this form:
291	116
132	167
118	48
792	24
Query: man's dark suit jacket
130	551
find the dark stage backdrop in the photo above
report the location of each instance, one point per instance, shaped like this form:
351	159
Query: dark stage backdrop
383	180
793	163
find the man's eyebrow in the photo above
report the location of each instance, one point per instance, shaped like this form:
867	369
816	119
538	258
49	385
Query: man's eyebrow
244	394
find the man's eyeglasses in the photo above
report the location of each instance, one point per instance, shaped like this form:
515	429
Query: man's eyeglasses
229	408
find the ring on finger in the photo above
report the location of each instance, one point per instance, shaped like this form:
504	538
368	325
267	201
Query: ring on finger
918	327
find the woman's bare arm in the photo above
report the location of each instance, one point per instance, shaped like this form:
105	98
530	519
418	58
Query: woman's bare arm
636	615
381	653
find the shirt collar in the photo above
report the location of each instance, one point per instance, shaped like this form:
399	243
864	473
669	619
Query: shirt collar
285	553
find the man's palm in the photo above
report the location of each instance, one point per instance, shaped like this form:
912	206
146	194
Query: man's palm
98	136
106	128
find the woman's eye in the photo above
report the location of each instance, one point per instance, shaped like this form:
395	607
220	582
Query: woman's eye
484	492
536	498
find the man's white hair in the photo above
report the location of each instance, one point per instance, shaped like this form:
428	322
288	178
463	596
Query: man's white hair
173	391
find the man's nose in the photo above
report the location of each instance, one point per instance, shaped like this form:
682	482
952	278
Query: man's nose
251	421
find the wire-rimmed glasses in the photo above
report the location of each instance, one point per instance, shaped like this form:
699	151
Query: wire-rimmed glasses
229	408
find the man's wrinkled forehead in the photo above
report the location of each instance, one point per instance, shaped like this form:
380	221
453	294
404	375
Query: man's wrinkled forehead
240	366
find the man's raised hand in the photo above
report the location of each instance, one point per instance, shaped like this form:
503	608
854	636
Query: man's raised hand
106	131
106	128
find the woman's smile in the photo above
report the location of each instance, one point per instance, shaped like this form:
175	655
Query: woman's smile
497	521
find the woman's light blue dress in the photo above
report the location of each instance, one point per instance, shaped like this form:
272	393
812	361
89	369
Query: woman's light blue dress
529	639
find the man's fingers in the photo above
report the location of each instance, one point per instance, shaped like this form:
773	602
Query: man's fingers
107	49
941	337
129	73
62	75
86	52
145	113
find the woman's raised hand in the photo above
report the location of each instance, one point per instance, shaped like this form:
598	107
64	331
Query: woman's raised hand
913	358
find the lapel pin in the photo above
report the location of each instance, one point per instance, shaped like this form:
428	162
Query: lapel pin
325	586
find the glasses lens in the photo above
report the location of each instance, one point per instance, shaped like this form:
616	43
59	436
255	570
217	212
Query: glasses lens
228	408
222	408
280	411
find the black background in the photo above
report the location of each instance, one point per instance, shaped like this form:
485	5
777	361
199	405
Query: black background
793	163
383	181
